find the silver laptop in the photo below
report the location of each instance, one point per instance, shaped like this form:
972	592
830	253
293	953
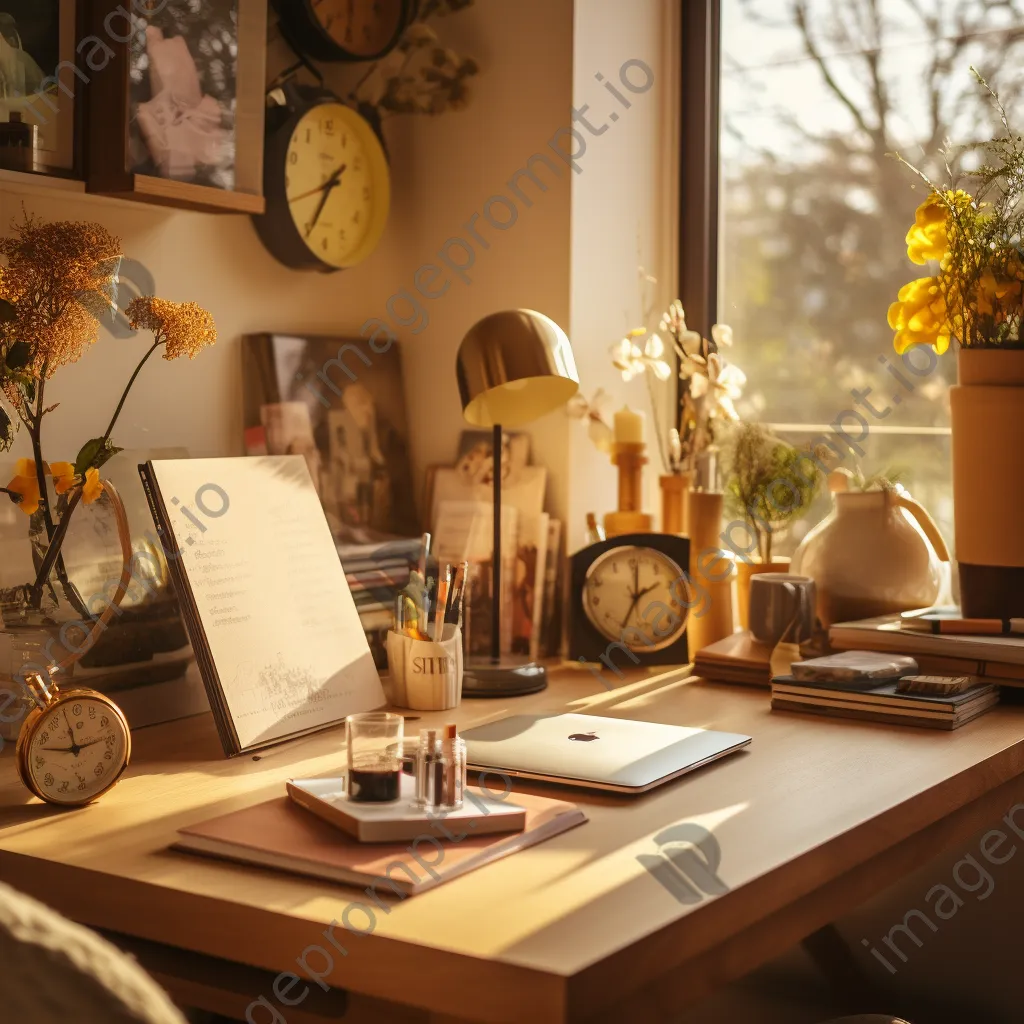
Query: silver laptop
616	754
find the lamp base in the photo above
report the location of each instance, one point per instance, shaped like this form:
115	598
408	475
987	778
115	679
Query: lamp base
483	677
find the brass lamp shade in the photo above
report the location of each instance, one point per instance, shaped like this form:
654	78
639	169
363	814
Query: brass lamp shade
514	367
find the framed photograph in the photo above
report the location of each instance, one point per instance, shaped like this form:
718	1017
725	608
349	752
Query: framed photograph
183	75
38	80
353	433
177	118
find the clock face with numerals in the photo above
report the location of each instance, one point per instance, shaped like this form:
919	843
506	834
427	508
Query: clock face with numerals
337	185
637	596
362	28
345	30
75	749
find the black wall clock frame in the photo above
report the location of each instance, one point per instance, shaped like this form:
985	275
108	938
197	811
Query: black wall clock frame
305	33
586	642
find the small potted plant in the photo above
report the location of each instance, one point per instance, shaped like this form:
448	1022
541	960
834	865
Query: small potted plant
769	485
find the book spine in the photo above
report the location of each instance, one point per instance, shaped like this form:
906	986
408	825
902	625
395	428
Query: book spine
190	611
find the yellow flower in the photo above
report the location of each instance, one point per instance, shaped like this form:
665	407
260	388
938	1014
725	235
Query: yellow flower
928	238
63	474
25	486
993	290
92	488
919	316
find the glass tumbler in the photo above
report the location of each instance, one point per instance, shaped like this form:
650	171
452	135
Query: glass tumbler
374	742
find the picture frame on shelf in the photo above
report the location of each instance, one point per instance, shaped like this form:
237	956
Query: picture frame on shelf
42	86
351	427
177	116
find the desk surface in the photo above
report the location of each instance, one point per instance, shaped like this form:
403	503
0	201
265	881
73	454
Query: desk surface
564	931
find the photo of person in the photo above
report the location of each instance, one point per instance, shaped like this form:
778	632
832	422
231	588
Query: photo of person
356	425
475	462
183	72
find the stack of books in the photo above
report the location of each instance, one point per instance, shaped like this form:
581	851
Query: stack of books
738	658
883	702
997	659
375	574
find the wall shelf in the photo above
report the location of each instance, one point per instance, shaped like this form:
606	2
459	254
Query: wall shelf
180	194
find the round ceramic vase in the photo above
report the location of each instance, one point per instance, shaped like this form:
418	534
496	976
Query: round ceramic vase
868	557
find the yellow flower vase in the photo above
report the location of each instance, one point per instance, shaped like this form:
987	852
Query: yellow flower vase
987	406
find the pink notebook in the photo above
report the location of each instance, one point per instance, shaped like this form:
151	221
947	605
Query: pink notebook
278	834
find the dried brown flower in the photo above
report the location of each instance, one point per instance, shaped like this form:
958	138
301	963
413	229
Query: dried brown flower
185	328
50	269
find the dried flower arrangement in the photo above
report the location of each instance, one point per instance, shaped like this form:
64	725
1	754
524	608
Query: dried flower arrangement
56	281
421	76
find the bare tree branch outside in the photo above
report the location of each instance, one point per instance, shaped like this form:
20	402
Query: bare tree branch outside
816	95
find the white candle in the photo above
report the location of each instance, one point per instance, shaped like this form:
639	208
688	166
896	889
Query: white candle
629	426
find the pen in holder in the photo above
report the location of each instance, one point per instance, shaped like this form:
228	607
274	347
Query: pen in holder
426	675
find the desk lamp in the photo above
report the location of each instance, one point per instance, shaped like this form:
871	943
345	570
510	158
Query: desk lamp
513	367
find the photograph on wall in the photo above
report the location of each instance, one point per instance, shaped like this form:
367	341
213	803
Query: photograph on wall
184	91
352	431
35	36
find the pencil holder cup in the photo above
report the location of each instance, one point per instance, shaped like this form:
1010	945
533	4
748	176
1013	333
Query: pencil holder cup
426	675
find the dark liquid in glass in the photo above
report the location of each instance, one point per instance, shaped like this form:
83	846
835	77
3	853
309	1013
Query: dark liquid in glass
373	787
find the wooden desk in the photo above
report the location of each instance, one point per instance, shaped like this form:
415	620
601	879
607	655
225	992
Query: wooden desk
814	818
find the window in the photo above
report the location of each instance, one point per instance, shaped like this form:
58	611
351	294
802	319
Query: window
814	96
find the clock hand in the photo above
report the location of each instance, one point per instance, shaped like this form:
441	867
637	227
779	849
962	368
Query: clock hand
71	732
319	188
636	597
334	182
90	743
59	750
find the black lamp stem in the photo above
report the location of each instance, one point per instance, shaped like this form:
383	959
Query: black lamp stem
496	558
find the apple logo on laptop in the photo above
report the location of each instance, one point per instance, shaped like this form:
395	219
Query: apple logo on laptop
584	737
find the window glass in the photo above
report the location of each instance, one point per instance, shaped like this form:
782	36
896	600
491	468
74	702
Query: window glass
816	95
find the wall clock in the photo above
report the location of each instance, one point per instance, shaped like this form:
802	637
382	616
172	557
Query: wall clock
327	183
631	590
349	30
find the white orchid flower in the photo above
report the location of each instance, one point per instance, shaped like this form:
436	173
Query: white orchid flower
722	335
722	385
631	360
600	433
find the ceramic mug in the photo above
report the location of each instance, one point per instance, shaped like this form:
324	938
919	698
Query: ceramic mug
781	607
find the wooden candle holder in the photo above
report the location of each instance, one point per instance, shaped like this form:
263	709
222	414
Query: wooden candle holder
630	460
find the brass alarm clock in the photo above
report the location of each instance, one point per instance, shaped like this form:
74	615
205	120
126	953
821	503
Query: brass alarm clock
73	746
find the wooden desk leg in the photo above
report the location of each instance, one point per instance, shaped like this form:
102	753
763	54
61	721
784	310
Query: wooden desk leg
835	961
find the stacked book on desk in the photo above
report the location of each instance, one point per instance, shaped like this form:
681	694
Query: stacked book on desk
738	658
883	702
375	574
996	659
280	835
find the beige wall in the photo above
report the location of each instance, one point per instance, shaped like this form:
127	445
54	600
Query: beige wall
623	215
572	254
